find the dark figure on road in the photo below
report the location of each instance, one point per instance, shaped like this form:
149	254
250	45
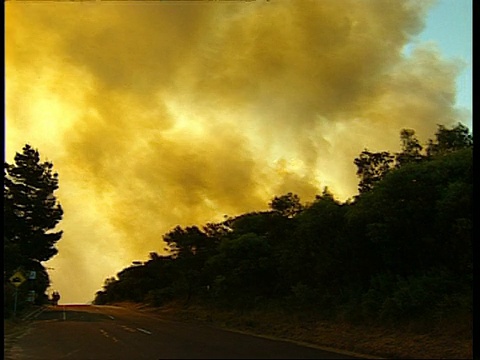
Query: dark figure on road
55	298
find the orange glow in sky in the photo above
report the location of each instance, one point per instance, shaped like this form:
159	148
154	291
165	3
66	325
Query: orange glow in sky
157	114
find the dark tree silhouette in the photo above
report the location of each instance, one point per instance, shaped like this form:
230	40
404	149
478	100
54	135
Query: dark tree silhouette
287	205
411	148
371	168
31	212
449	140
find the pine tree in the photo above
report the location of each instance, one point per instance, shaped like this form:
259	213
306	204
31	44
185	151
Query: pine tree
31	211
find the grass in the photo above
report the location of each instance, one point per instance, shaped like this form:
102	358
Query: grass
450	339
12	329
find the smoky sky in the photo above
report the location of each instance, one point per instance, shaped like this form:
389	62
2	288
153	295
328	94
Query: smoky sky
157	114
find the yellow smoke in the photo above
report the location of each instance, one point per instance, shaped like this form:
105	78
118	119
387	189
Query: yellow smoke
157	114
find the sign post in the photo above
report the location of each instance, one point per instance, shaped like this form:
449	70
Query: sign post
16	279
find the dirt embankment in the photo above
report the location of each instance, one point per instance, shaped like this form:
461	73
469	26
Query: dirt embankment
452	339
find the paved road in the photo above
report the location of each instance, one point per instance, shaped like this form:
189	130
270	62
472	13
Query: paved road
109	332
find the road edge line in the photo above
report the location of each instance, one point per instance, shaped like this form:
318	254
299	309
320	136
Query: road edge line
144	331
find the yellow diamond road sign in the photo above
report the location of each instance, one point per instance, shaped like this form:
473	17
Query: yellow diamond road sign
17	279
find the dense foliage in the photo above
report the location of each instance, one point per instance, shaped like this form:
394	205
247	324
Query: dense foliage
31	212
400	250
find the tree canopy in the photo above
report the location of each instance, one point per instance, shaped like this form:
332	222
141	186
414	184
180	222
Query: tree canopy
401	249
31	212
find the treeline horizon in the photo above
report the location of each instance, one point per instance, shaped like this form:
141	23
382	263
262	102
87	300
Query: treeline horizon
400	250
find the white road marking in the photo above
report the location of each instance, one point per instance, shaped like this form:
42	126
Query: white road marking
144	331
128	328
104	333
71	352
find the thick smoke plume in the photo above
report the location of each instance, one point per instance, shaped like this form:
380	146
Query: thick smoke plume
157	114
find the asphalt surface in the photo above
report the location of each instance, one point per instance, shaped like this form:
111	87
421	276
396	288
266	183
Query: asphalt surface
109	332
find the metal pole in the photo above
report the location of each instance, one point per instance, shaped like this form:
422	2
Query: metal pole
15	303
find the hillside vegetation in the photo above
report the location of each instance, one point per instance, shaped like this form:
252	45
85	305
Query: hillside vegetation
396	259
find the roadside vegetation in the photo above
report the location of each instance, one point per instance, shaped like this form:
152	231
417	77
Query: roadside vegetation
30	214
451	340
395	260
